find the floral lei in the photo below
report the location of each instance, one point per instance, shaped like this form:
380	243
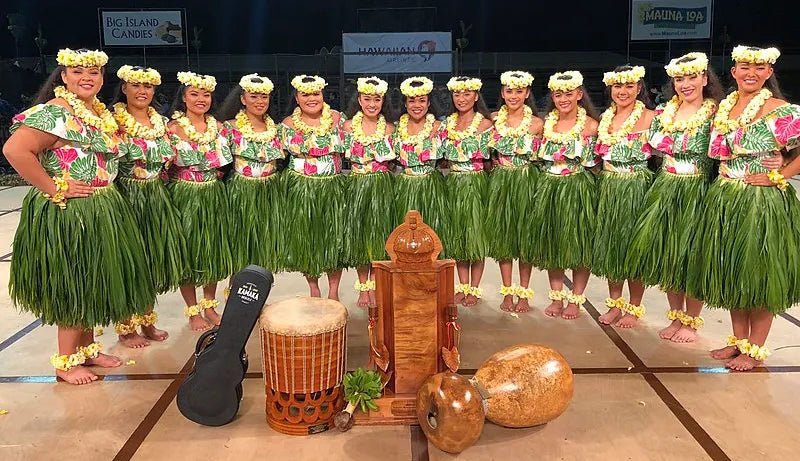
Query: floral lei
560	138
242	123
667	117
104	121
603	130
132	127
424	133
363	138
723	124
456	135
522	129
209	136
325	122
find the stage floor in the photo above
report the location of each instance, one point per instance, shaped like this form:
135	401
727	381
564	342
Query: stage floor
636	397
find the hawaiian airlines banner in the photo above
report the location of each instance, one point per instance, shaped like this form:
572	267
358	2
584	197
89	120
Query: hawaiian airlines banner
142	28
670	19
389	53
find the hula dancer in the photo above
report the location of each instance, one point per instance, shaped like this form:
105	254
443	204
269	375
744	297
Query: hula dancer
314	209
564	205
254	189
370	196
745	259
622	141
515	137
417	144
200	196
664	234
466	148
79	258
148	152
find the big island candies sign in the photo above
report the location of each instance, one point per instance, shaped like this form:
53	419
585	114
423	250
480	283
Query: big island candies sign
142	28
670	19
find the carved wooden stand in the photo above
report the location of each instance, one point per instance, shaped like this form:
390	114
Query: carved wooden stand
413	331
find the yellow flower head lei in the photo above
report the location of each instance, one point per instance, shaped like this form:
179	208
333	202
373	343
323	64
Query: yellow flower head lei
104	122
205	82
131	74
688	64
309	83
631	75
135	129
363	138
722	122
207	137
456	135
560	138
755	55
372	85
416	86
516	79
325	122
565	81
254	83
500	123
667	117
424	133
83	58
603	129
242	122
464	84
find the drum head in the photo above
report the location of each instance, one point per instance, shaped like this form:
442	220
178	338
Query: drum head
303	316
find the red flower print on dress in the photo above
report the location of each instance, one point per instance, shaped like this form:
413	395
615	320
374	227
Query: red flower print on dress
737	137
407	147
719	147
297	138
140	143
309	168
213	159
357	150
379	166
477	164
565	172
646	148
671	169
602	149
19	118
559	155
65	157
477	155
666	145
276	143
236	135
318	151
247	171
787	128
101	161
425	155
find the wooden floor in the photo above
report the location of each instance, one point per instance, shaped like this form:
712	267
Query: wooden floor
636	397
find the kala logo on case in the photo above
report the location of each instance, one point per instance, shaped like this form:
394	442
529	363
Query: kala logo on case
248	293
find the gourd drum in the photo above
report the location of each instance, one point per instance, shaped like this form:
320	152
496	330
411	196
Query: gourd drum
304	346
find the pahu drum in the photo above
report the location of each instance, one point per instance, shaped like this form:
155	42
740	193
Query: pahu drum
304	344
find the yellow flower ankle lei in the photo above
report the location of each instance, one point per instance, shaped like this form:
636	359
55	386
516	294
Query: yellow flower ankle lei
463	288
556	295
208	303
667	117
723	124
634	310
192	310
66	362
366	286
456	135
103	121
560	138
753	350
325	122
136	129
508	290
500	123
578	300
242	122
208	136
603	130
62	186
476	292
124	329
618	303
363	138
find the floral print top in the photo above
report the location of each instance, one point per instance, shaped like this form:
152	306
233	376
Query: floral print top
627	156
466	154
419	159
200	162
253	159
569	157
684	152
313	155
741	151
88	155
514	151
145	158
371	158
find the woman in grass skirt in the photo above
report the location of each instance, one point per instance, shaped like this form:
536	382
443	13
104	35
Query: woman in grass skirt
417	144
515	138
254	188
79	259
200	196
563	211
622	141
659	250
745	257
145	144
369	217
314	209
466	148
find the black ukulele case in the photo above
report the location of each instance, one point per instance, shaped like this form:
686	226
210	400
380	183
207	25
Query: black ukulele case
211	393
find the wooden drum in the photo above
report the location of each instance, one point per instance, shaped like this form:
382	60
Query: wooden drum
304	345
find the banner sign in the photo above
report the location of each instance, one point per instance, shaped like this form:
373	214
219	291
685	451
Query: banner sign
403	53
142	28
670	19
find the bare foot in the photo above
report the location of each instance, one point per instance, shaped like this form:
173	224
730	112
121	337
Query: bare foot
522	306
459	298
628	321
363	299
725	353
198	323
77	375
212	317
685	335
134	340
742	363
554	309
373	302
508	304
104	360
571	312
669	332
154	333
610	317
470	300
